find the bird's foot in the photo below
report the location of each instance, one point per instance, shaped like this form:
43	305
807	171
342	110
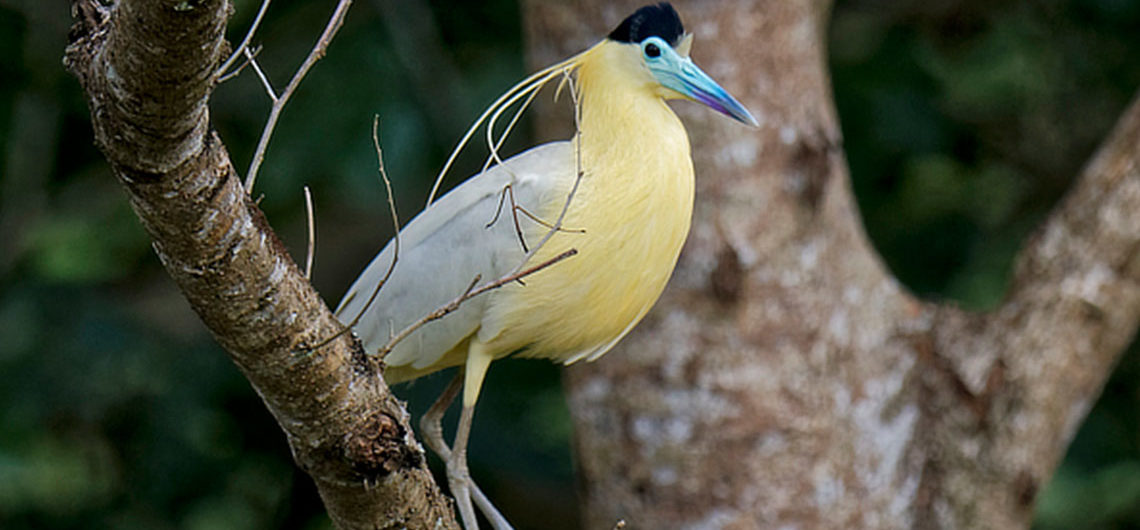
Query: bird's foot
465	491
459	480
498	522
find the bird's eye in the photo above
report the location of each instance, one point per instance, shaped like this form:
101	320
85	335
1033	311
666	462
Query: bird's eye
652	51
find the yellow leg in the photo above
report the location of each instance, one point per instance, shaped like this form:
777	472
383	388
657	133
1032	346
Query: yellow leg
478	360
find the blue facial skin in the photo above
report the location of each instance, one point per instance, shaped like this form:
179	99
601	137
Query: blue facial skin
681	75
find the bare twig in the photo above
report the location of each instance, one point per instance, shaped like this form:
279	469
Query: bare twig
469	293
508	194
312	234
395	222
509	191
577	144
395	239
546	223
250	60
240	50
315	55
250	54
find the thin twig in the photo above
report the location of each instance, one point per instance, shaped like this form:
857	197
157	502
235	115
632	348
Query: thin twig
252	61
508	194
230	75
469	293
312	234
509	190
530	215
395	222
315	55
240	50
546	224
395	238
577	144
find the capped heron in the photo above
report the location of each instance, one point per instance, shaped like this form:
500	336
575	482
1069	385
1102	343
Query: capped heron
619	192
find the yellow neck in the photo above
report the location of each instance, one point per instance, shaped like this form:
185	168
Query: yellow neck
633	207
627	133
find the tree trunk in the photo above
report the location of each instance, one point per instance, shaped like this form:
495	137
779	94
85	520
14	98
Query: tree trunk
148	68
786	378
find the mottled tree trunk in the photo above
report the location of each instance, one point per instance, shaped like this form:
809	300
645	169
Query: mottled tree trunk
786	378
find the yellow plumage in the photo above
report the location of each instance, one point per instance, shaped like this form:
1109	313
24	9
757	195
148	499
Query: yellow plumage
627	220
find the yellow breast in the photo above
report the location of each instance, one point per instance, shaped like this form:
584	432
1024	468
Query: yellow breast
634	204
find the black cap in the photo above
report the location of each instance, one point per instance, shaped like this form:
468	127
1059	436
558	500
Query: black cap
659	20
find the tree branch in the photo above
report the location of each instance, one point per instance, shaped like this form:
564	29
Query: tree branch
1034	367
148	68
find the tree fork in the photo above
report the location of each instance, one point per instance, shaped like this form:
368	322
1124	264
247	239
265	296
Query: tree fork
786	377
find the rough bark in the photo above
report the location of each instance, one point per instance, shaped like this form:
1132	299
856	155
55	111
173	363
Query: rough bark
786	378
148	69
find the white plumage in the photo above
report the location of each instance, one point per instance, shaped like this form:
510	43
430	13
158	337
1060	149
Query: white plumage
444	248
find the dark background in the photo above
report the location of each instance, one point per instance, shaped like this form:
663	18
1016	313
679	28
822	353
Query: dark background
964	122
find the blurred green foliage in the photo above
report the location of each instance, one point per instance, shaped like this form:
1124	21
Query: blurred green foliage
964	121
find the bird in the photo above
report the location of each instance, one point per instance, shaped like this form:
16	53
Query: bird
607	211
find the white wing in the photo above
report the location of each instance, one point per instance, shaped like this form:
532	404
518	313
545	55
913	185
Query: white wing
444	248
